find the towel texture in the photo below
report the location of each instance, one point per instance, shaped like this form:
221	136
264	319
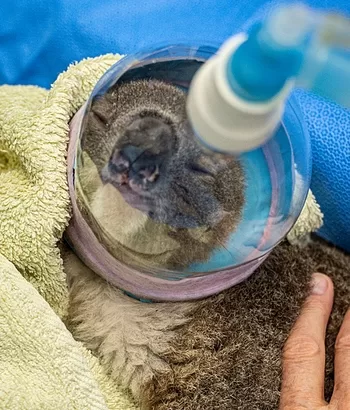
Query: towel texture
34	201
42	366
310	220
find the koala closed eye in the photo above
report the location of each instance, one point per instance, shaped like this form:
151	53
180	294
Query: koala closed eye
197	168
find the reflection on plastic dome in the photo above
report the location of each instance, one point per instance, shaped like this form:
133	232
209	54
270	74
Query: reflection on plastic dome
155	199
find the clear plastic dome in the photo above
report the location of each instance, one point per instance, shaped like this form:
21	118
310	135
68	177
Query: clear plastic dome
156	214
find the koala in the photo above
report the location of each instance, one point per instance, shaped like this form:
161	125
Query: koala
156	199
144	150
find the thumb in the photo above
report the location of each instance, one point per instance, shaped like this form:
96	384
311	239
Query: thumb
304	351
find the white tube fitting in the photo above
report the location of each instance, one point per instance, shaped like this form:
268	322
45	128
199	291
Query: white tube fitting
222	120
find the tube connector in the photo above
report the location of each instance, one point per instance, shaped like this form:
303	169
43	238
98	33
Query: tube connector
222	120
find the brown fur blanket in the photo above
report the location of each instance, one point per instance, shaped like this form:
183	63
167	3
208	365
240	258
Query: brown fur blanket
220	353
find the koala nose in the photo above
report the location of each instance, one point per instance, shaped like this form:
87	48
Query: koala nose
142	164
134	155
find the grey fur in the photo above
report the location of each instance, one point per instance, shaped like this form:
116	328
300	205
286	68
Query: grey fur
180	187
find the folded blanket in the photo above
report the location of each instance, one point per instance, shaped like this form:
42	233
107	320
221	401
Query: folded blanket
42	366
34	201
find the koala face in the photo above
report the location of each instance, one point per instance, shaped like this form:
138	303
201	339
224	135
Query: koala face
159	170
151	157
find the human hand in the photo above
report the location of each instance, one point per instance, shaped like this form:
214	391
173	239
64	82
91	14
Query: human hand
304	355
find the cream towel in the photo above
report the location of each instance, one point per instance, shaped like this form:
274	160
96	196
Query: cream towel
310	220
41	365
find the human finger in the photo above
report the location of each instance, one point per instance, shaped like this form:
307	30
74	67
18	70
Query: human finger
304	351
341	394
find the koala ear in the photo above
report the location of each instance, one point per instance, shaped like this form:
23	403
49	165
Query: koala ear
217	217
100	114
212	163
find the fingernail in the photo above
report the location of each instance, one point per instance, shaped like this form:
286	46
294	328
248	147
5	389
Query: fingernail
319	284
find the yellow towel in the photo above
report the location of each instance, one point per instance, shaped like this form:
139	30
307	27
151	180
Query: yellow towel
310	220
41	365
